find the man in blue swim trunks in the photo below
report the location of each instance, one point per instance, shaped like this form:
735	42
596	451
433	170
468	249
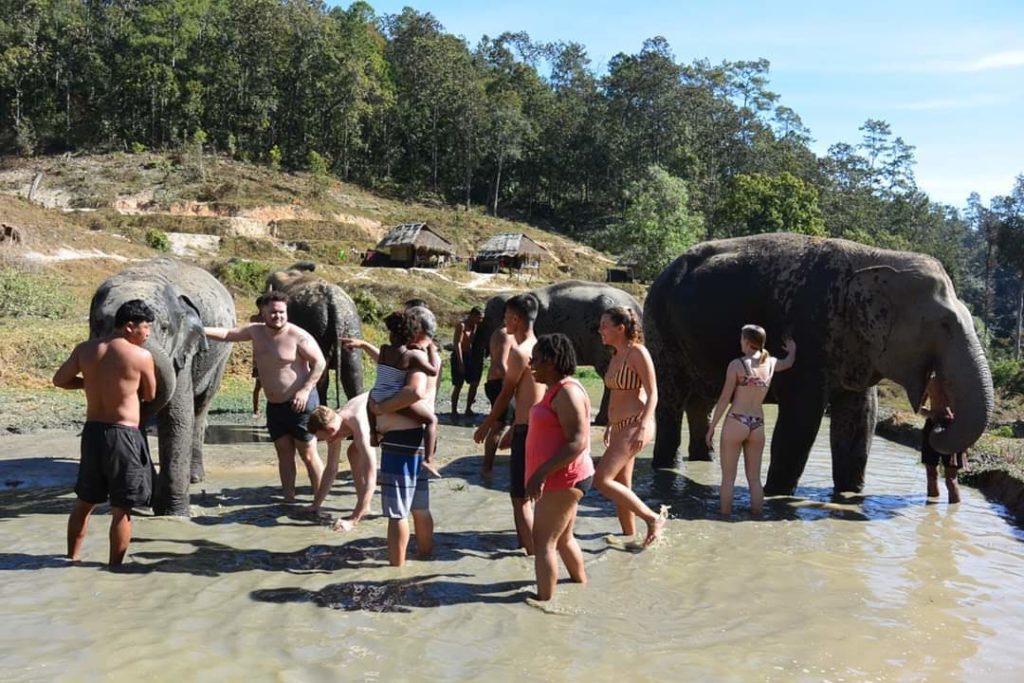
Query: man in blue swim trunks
289	362
115	372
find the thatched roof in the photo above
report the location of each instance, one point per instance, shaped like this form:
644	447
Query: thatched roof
418	235
509	244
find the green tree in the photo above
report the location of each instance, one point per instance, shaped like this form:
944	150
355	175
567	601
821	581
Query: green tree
758	203
656	225
1011	247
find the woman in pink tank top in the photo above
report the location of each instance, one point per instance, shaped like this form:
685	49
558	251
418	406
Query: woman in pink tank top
559	470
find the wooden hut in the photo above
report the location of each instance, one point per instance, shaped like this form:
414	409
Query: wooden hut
411	245
624	270
512	251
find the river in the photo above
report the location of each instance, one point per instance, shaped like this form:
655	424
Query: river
882	587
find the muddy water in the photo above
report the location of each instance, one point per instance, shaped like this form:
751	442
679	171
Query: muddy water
881	587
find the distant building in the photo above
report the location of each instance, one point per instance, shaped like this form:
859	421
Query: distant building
508	251
411	245
624	270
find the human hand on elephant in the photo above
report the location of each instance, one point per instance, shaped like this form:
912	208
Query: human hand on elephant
300	399
789	346
350	343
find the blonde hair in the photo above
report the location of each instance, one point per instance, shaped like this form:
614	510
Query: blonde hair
319	419
756	337
621	315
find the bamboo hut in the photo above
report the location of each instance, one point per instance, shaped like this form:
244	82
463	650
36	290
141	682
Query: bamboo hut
624	270
411	245
509	251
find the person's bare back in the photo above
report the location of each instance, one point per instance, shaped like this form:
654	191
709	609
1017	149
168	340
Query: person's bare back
116	375
528	391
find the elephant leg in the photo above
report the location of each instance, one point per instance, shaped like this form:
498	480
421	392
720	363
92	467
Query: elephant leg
669	420
602	412
698	417
175	434
853	425
800	414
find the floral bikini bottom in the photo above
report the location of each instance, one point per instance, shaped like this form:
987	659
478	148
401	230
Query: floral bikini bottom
751	422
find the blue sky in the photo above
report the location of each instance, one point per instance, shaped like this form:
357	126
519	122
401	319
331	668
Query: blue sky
948	76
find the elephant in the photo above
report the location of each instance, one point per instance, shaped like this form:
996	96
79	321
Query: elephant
326	312
859	314
573	308
189	370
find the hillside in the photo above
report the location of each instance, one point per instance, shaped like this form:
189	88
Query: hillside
91	214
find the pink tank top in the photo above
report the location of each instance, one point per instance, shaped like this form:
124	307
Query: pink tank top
545	437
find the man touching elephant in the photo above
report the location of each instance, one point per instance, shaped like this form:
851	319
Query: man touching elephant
290	363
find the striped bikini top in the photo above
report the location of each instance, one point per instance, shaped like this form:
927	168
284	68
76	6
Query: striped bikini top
390	381
625	377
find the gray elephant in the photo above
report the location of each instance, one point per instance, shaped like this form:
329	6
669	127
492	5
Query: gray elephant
859	314
188	370
573	308
328	313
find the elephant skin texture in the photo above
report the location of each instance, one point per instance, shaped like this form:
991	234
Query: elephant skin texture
189	370
573	308
858	314
328	313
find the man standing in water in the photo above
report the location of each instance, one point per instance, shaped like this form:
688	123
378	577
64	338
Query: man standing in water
520	314
333	427
289	363
465	368
499	346
939	412
115	372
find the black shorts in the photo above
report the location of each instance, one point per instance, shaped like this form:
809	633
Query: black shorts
470	372
115	464
517	463
492	388
584	484
930	456
283	421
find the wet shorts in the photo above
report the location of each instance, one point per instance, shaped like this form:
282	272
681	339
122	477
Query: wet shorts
471	372
930	456
492	388
517	463
115	464
402	489
283	421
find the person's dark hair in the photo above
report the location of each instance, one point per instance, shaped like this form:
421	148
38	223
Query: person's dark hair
756	337
259	301
621	315
134	311
273	296
556	347
476	311
525	306
399	326
412	303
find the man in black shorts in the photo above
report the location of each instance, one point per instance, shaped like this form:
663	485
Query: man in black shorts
115	372
939	413
498	346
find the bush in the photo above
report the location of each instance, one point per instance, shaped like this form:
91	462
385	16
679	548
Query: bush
370	310
26	295
1008	375
247	276
158	239
1005	431
275	157
138	148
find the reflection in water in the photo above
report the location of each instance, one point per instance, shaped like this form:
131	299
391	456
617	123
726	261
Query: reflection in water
879	586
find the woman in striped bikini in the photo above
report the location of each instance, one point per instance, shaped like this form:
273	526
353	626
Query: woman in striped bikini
746	384
633	398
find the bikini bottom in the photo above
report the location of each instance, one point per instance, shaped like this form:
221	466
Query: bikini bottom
614	427
751	422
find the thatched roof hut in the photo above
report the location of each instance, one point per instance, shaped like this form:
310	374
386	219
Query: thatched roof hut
511	250
623	271
411	244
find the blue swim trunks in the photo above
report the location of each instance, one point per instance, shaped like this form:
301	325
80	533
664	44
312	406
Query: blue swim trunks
402	489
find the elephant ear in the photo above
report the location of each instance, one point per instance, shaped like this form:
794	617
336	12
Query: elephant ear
191	338
879	296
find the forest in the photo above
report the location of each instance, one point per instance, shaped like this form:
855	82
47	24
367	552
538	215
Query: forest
641	159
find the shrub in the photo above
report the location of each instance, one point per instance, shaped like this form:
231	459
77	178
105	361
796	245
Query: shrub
1005	431
1008	375
370	310
138	148
158	239
248	276
26	295
275	157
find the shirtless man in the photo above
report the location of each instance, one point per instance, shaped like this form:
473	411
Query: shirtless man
499	346
520	314
116	373
289	363
939	412
333	427
465	368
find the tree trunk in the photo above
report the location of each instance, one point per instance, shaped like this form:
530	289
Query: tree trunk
1020	311
497	186
988	290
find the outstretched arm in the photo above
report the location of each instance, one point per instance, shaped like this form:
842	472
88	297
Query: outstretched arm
233	334
786	363
67	375
372	351
723	402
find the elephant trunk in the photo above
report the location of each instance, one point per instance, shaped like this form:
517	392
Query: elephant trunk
166	381
965	374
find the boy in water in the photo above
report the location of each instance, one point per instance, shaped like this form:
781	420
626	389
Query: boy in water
116	374
939	412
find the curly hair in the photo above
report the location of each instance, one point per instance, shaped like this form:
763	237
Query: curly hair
621	315
400	326
556	347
